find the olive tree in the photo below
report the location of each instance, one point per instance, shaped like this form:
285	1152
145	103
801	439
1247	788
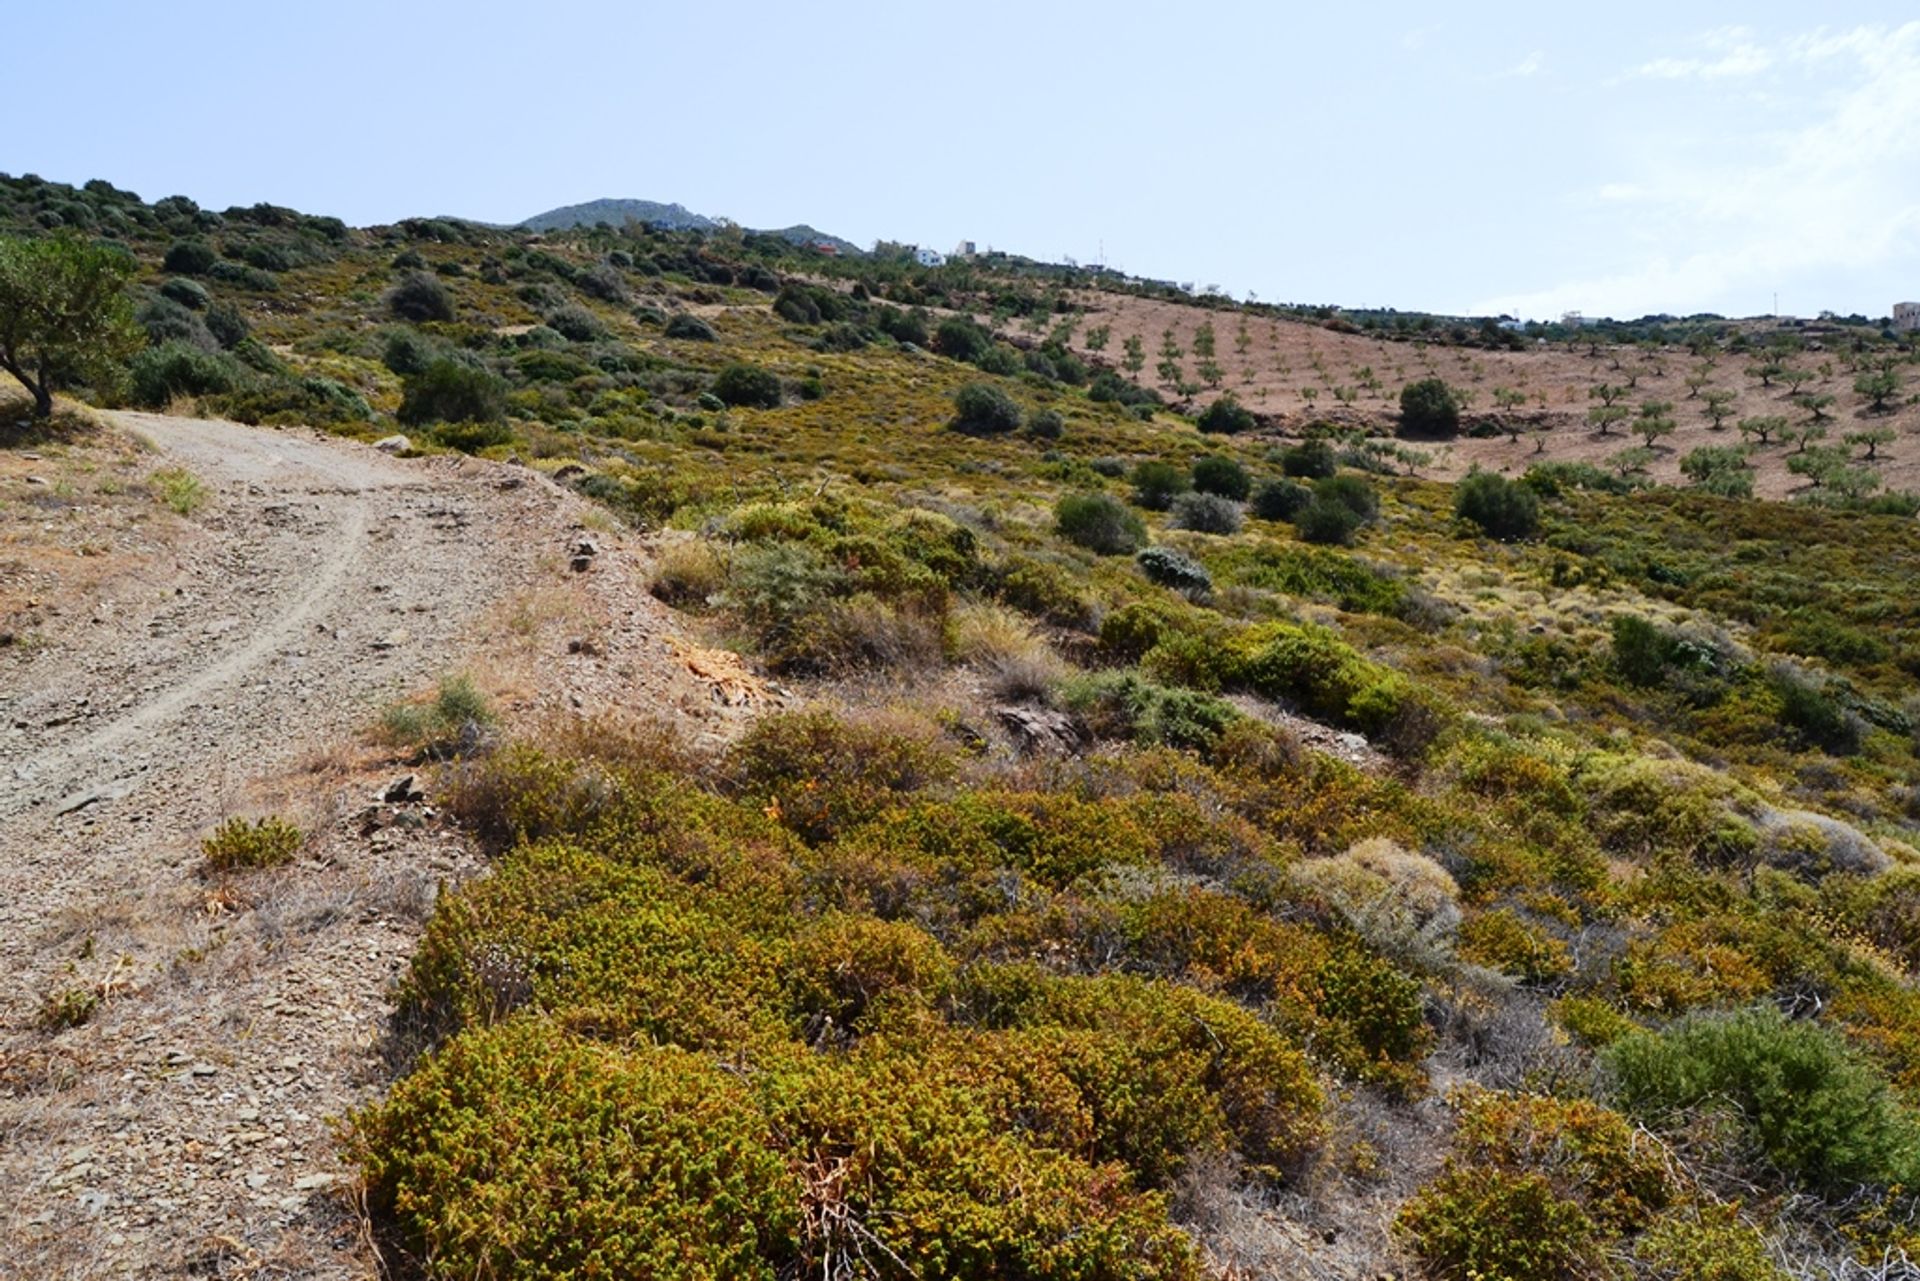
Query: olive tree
64	313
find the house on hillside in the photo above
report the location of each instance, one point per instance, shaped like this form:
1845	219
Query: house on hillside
965	249
1572	319
1906	317
929	258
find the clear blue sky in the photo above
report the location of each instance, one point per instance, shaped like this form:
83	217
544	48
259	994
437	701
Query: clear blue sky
1616	158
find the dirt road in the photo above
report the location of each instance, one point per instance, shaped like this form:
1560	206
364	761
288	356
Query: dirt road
184	1125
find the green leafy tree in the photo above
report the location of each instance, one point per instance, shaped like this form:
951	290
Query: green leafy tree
1655	421
1097	337
1503	509
1819	466
1879	388
64	313
1719	408
1872	438
1605	393
1203	341
1719	469
1764	427
1136	355
1805	436
1607	417
1815	403
1631	462
1430	406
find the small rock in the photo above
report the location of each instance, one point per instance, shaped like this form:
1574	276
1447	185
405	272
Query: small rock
205	1069
308	1182
393	444
1039	731
402	792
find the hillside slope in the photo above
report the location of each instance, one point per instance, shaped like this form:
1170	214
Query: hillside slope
232	660
1178	844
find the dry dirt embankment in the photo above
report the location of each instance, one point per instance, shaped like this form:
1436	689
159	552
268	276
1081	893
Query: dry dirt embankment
234	670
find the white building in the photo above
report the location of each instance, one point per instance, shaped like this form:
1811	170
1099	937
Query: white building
929	258
964	249
1572	319
1906	317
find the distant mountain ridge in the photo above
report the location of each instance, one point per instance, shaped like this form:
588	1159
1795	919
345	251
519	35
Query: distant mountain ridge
676	217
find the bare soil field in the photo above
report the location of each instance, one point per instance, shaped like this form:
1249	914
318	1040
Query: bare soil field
1295	373
166	667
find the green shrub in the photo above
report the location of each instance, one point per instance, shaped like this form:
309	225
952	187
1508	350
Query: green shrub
190	257
470	438
575	323
1815	1111
961	339
1351	492
1157	484
159	374
451	391
1328	523
1429	407
1170	568
455	723
1309	460
1100	523
190	294
688	327
1280	500
1223	476
603	281
266	842
419	297
1226	417
1047	424
227	324
1205	514
1502	509
981	409
243	276
1810	706
1313	668
67	1008
1131	708
742	384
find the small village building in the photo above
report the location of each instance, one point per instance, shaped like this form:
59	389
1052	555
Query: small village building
1906	317
929	258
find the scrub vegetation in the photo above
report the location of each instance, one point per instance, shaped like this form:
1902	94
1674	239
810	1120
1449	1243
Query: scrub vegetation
1510	879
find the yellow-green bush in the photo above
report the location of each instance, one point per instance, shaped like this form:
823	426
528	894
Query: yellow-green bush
1502	940
522	1151
820	774
1535	1189
265	842
626	950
